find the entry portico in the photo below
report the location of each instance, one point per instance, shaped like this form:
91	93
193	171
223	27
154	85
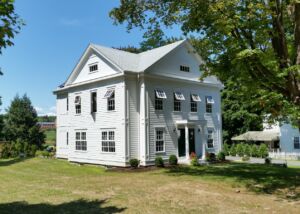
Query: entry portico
191	138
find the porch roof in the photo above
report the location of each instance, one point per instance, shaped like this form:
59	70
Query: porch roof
257	136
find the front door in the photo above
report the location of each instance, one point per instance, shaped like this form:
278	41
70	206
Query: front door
181	143
192	140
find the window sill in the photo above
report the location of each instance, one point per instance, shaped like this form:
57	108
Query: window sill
160	153
80	151
111	111
108	153
77	115
92	72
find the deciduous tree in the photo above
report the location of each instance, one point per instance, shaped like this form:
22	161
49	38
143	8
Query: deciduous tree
255	42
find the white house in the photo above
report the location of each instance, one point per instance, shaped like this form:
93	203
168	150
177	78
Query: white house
117	105
282	138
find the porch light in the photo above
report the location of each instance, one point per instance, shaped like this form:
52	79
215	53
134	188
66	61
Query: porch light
199	130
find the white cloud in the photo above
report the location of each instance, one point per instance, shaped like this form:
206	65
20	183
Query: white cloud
51	111
70	22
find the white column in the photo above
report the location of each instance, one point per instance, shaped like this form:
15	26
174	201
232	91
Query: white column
187	144
204	140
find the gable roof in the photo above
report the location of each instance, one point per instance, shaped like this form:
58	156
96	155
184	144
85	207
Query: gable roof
136	62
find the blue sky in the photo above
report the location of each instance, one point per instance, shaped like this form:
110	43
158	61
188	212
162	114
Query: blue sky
48	47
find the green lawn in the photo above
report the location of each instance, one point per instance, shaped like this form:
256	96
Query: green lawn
50	136
56	186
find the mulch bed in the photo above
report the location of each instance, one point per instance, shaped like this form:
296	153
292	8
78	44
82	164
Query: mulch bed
139	169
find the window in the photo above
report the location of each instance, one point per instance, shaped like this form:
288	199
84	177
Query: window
193	105
296	143
67	103
80	141
178	96
67	138
93	67
159	140
93	102
77	105
159	96
209	103
108	141
110	95
184	68
210	140
177	104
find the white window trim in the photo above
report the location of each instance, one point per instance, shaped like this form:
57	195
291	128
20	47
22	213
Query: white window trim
80	131
164	139
107	131
212	134
92	64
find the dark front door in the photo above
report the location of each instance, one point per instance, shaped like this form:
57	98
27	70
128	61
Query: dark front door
192	140
181	143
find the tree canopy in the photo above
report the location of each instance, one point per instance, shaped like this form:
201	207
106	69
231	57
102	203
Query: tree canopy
10	24
253	42
20	123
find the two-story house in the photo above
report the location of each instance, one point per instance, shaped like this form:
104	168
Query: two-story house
117	105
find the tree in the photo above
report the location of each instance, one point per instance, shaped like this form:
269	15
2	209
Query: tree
240	110
256	42
21	124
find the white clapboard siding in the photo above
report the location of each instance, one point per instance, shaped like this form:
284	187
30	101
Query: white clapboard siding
168	117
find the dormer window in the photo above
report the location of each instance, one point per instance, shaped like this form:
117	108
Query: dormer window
184	68
93	67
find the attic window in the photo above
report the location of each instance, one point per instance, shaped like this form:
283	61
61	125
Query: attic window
93	68
184	68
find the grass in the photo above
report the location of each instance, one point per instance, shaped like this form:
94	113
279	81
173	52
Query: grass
56	186
50	136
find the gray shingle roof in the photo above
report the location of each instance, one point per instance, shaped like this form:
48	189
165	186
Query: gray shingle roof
257	136
135	62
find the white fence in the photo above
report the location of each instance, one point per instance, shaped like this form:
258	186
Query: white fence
284	155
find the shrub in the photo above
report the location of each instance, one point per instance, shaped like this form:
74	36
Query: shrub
267	160
247	149
159	162
134	163
221	156
210	157
226	149
253	151
194	161
173	160
240	150
39	153
245	158
232	150
263	151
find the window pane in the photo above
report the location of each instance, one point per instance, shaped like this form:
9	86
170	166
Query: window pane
104	135
77	135
83	136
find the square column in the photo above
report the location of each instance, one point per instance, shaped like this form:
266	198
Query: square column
187	143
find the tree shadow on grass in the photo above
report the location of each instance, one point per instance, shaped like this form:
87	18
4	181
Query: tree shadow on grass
255	177
8	162
73	207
